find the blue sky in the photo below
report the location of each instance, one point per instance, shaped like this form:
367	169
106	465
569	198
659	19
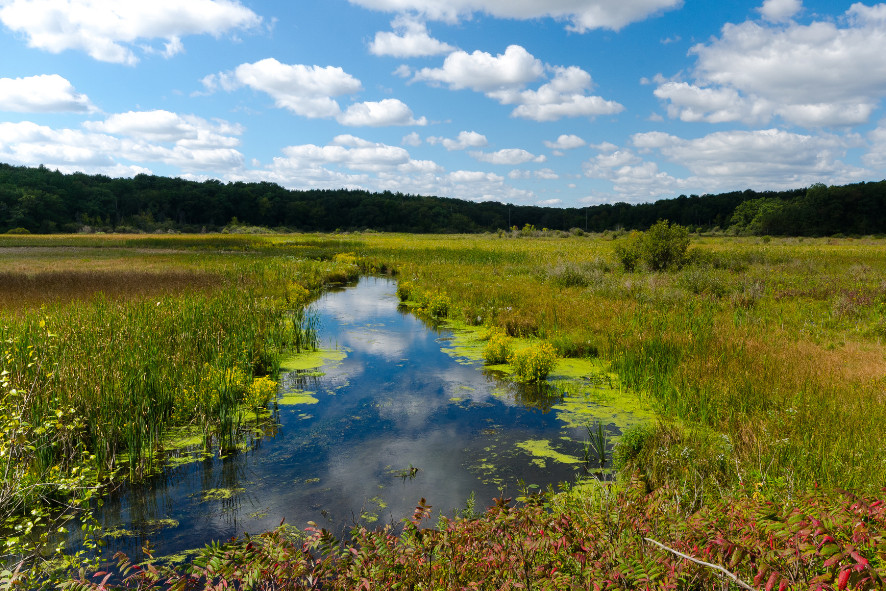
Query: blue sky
561	102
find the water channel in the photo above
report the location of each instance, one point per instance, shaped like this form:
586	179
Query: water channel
398	416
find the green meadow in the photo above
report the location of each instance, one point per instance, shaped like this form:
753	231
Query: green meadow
763	359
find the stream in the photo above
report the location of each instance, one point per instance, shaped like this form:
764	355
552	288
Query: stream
399	418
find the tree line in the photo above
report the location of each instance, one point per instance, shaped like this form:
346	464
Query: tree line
39	200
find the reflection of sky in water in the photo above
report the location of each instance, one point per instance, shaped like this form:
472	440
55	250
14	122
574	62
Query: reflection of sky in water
396	401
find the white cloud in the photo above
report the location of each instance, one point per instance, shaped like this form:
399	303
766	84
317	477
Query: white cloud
466	139
564	96
876	156
780	10
387	112
305	90
566	142
510	156
474	176
49	93
411	39
106	29
714	105
724	161
815	75
165	126
582	15
483	72
346	150
544	174
550	202
411	139
768	158
189	143
505	76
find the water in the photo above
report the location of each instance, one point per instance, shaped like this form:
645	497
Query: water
396	402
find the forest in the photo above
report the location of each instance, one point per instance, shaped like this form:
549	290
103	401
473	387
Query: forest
42	201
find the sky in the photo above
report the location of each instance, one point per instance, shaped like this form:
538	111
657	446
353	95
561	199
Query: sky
563	103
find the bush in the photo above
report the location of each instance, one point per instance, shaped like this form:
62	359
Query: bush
629	251
18	231
438	305
533	363
404	290
630	444
499	348
665	246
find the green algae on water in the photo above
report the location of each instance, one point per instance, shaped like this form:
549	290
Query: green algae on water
313	360
541	448
221	494
297	397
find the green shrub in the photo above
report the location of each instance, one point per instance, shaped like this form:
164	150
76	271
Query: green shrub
665	246
533	363
630	444
498	349
404	290
438	305
629	251
18	231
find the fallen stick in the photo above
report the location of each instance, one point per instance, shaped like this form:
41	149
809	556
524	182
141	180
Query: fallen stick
738	581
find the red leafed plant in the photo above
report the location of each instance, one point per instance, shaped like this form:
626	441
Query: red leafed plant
591	537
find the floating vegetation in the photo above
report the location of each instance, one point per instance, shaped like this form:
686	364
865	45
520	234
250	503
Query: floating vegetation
409	473
221	494
541	448
298	397
313	360
141	528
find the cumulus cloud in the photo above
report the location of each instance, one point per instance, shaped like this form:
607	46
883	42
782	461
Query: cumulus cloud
660	164
411	139
770	158
348	151
582	15
546	174
566	142
504	78
165	126
42	94
815	75
465	140
311	91
780	10
388	112
190	143
483	72
107	30
510	156
876	156
308	91
410	39
564	96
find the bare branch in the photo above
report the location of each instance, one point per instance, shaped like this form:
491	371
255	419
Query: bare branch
738	581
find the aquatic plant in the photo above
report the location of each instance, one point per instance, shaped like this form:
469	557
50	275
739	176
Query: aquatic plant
404	290
533	363
498	349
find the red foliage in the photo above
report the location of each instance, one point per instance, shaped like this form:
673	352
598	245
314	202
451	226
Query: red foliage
813	542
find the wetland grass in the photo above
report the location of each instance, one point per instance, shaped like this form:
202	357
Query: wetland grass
101	367
778	344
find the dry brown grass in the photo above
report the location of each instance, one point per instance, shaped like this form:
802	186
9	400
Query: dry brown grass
22	291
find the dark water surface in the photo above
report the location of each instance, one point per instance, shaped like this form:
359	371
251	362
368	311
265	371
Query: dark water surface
396	401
